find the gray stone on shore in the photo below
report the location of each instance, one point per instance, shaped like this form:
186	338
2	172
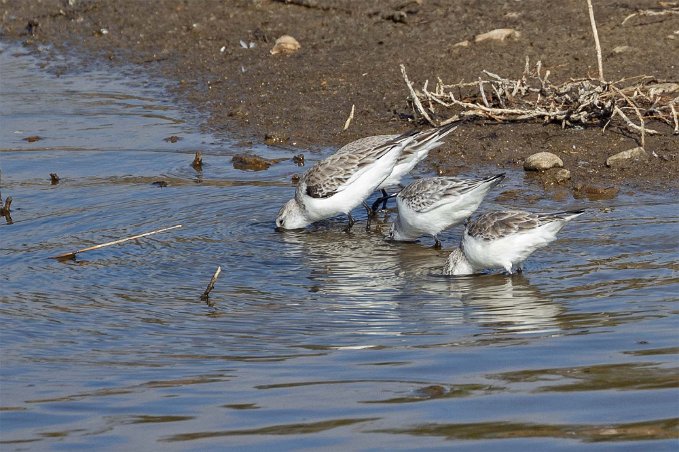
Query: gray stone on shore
542	161
624	158
562	175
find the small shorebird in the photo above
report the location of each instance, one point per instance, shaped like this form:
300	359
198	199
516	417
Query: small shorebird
341	182
504	240
416	151
430	205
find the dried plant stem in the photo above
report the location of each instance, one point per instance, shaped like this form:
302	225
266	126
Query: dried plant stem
206	295
596	41
650	12
72	254
674	116
351	116
416	100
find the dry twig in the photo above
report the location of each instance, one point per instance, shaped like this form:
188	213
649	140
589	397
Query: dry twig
72	254
651	12
206	295
351	116
596	41
533	96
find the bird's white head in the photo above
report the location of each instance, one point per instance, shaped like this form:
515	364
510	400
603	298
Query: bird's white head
396	233
291	216
457	264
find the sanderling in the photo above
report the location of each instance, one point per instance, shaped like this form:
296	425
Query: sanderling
341	182
430	205
415	152
504	240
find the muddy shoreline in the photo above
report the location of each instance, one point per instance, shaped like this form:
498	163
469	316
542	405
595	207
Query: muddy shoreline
217	57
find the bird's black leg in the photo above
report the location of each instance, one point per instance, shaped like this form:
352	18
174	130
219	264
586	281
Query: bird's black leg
437	243
351	223
386	197
368	210
376	204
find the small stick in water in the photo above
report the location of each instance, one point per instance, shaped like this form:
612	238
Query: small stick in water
5	210
71	255
198	161
206	295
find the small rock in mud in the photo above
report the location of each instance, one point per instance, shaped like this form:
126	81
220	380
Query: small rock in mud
542	161
172	139
54	178
464	43
593	192
499	34
250	162
298	159
159	183
197	163
399	17
274	138
433	391
508	195
622	49
562	175
285	45
33	138
624	158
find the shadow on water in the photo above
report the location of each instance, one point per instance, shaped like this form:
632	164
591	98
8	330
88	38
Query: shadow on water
318	338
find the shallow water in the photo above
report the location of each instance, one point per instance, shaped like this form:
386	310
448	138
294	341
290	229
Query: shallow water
317	338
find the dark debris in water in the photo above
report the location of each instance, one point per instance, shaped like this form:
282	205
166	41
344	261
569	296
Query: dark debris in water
594	192
298	159
54	178
5	210
33	138
197	163
252	162
172	139
159	183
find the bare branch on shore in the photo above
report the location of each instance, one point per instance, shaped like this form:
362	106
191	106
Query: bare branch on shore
534	97
596	41
72	254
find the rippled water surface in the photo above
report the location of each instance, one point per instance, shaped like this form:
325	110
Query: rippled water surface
318	339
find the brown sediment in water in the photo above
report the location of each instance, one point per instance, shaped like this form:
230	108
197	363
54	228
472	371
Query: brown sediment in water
219	55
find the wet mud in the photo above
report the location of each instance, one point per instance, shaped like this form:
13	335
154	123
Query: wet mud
218	56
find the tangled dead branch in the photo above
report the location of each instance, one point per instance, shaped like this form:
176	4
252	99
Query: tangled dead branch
533	96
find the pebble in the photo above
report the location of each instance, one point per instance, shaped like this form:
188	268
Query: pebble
285	45
593	192
562	175
499	34
625	157
542	161
250	162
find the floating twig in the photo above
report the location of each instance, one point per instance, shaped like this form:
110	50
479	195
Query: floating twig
206	295
351	116
71	255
